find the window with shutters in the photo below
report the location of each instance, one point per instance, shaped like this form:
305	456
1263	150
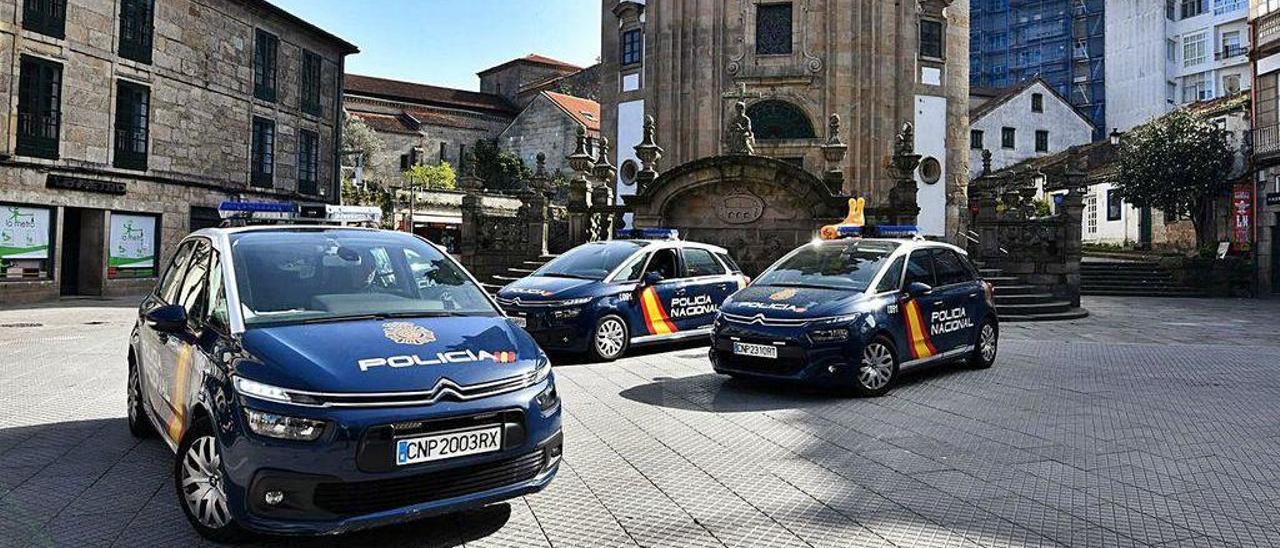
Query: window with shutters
773	28
137	20
265	46
133	102
39	108
975	139
264	157
311	66
47	17
308	161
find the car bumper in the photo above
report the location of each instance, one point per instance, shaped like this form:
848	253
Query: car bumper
798	360
557	335
342	483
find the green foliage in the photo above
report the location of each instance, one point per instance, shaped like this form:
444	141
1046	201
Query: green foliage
369	195
1043	209
499	169
435	177
358	136
1178	163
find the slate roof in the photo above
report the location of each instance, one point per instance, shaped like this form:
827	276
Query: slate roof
411	92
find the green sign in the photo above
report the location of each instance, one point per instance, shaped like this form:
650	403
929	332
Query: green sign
24	232
133	241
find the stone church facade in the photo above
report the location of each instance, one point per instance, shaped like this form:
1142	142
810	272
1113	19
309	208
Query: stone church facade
875	63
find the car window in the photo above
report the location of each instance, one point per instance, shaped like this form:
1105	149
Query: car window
920	268
325	275
217	298
591	261
633	269
664	263
729	262
167	289
700	262
892	277
193	292
843	265
950	267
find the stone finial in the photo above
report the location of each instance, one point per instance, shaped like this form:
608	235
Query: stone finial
904	144
603	170
648	151
580	160
740	137
833	151
986	162
541	168
833	130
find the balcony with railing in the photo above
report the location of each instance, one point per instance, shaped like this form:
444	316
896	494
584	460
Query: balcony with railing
1228	52
1268	40
1266	143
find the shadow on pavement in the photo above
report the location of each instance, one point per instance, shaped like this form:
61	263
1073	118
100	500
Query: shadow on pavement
697	347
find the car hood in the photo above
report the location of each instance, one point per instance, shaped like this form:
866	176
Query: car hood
793	302
392	355
548	288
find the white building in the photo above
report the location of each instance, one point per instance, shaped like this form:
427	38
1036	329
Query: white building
1161	55
1021	122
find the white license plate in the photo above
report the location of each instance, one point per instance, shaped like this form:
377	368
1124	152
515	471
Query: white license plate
448	446
756	350
519	321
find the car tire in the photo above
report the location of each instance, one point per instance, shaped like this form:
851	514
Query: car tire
609	339
198	478
986	346
877	370
139	424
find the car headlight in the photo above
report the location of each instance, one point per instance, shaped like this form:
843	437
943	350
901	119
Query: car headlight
576	302
566	313
255	389
820	336
548	397
283	427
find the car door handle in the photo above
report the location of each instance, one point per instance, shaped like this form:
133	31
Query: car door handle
973	295
936	303
681	291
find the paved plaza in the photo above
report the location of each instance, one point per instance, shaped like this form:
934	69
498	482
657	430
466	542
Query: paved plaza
1151	423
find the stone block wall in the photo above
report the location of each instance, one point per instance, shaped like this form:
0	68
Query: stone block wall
542	127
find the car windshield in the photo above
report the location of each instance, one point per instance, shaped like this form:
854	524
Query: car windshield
289	276
846	265
592	261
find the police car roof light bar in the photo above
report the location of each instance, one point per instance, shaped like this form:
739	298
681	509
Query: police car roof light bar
648	234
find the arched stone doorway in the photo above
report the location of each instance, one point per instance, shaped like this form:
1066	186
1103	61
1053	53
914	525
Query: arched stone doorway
759	208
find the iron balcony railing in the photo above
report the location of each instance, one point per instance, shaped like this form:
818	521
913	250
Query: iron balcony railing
1268	30
1229	52
1266	141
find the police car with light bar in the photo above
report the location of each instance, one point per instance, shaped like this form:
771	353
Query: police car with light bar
321	379
856	306
602	297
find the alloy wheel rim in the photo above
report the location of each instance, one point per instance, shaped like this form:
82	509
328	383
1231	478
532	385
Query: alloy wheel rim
987	344
609	338
202	483
133	394
877	366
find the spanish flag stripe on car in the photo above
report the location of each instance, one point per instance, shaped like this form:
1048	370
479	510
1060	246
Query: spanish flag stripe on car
921	346
655	318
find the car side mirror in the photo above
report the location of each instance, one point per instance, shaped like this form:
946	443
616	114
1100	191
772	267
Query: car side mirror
168	319
651	278
916	289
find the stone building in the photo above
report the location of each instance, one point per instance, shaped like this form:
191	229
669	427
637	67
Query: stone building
1023	121
514	79
549	125
128	122
876	64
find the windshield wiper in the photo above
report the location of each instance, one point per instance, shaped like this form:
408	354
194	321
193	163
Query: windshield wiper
566	275
389	316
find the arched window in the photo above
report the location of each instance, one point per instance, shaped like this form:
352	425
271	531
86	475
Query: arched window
774	119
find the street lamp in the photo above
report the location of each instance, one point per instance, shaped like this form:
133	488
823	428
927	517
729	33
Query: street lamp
1115	137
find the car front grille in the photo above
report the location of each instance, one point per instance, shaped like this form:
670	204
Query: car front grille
767	366
364	497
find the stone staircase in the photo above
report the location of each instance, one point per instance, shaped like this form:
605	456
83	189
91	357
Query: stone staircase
499	281
1017	301
1131	278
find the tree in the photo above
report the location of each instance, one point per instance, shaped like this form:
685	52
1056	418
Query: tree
357	136
432	177
499	169
1179	164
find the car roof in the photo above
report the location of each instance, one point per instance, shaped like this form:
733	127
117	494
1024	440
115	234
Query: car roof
904	245
277	228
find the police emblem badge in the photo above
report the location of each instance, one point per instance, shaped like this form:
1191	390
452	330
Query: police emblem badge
783	295
408	333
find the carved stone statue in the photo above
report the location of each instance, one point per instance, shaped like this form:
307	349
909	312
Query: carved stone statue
741	138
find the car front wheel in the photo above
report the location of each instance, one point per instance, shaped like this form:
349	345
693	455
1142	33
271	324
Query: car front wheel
984	352
877	370
610	339
199	479
139	424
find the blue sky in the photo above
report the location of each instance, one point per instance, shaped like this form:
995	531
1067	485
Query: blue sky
446	42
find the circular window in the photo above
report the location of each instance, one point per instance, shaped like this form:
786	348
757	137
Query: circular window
930	170
628	171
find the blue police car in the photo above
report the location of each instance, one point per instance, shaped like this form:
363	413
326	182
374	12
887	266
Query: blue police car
323	379
852	312
602	297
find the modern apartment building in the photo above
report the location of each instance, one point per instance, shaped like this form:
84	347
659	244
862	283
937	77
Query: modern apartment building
127	122
1160	56
1059	41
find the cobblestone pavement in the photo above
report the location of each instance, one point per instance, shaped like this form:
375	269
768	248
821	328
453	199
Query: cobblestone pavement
1153	422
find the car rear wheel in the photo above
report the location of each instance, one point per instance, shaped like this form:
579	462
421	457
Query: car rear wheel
139	424
200	481
610	339
878	368
984	352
